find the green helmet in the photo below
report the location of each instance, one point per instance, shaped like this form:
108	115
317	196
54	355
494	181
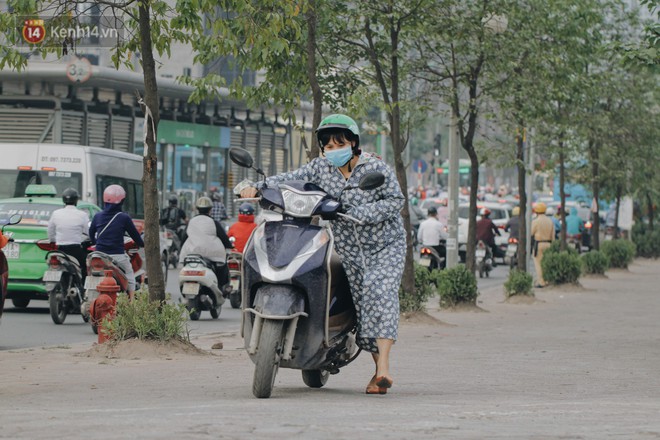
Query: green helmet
339	121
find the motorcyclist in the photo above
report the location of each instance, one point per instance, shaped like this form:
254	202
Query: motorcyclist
242	229
432	233
173	217
486	232
69	227
550	212
108	229
218	210
513	225
206	237
574	224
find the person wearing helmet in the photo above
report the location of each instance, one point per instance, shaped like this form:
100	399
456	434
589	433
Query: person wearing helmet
108	228
206	237
550	213
543	233
513	224
218	210
173	217
486	232
68	227
375	267
242	229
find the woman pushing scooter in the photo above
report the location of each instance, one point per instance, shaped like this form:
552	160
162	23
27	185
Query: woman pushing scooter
372	252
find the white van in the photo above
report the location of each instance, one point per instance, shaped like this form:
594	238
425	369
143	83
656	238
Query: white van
87	169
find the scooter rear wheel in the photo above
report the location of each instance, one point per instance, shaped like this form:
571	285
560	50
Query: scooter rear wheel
267	359
315	378
57	300
194	310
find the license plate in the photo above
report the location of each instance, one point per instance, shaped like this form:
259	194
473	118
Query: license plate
53	275
481	252
426	262
92	282
235	284
190	288
511	249
12	251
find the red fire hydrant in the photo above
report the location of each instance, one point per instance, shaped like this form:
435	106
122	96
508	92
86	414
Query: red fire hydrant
104	305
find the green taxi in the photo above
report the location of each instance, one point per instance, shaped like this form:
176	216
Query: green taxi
26	255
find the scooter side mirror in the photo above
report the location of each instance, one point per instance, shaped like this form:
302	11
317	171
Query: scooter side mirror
241	157
371	181
15	219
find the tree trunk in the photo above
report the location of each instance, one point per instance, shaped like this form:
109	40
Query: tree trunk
468	146
649	203
151	212
317	93
562	196
595	189
522	191
398	146
619	190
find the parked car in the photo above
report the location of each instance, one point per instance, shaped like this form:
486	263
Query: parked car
25	255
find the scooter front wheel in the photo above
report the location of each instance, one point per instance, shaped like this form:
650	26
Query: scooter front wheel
235	300
267	359
315	378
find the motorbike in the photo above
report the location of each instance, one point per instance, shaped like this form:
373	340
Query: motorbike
99	262
174	241
200	288
511	253
64	283
296	300
234	264
484	256
430	258
574	241
4	267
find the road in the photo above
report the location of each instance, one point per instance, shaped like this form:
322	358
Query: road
33	326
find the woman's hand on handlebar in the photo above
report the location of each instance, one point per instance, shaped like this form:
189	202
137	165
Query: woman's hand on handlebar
249	192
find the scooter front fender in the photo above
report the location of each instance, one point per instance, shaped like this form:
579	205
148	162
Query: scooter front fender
278	302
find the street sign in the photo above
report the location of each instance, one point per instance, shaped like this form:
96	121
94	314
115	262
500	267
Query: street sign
420	166
79	70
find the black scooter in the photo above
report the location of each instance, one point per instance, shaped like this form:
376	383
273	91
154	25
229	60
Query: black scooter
296	300
64	283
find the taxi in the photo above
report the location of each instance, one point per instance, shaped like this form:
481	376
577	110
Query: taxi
26	254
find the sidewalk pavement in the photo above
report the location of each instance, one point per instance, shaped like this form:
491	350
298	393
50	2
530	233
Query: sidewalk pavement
579	363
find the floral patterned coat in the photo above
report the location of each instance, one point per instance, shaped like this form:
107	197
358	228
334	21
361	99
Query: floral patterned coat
373	254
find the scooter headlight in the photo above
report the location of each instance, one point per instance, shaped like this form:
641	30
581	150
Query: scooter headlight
300	204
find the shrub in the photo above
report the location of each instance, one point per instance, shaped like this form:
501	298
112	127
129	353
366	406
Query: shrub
620	253
144	319
594	262
518	283
647	241
424	289
561	267
457	285
555	248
